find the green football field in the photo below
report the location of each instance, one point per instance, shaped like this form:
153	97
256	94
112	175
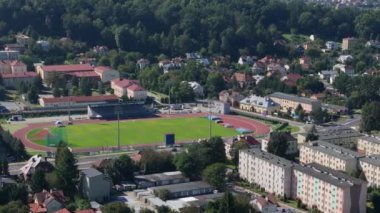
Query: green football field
133	132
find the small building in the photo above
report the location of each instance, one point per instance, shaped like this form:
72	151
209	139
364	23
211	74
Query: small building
373	43
77	101
247	139
197	88
265	204
288	103
370	165
94	185
292	143
345	59
129	88
48	201
328	75
263	105
13	80
45	45
142	63
160	179
291	79
34	163
22	39
331	45
348	43
243	79
305	62
247	60
184	189
230	97
107	74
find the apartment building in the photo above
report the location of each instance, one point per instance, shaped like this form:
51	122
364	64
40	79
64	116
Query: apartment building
129	88
289	102
268	171
369	145
263	105
328	190
370	166
329	155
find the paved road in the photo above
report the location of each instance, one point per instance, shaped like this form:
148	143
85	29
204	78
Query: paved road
84	162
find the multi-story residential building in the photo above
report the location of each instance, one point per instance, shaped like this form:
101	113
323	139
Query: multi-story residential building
348	43
12	67
329	155
292	143
107	74
370	166
10	55
289	102
268	171
263	105
13	80
328	190
129	88
341	136
47	71
369	145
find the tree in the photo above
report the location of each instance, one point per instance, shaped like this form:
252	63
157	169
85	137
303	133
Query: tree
186	93
85	87
215	174
121	169
14	206
374	197
370	117
3	93
56	92
236	147
156	162
4	169
319	116
32	96
229	204
278	144
38	181
116	207
163	194
66	170
300	112
38	84
215	83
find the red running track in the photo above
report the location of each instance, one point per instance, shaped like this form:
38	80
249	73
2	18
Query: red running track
236	121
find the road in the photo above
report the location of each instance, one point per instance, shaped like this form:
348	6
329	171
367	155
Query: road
84	162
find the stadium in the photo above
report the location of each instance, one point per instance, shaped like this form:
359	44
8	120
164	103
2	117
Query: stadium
138	127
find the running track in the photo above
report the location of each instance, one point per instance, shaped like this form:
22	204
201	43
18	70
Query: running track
236	121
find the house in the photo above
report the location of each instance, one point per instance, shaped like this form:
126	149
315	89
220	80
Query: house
129	88
197	88
45	45
344	68
48	201
276	69
288	103
266	170
34	163
221	60
318	96
192	56
331	45
328	190
171	65
8	67
160	179
348	43
77	101
94	185
327	75
247	139
258	68
262	105
142	63
86	60
247	60
373	43
265	204
100	50
184	189
9	55
14	47
230	97
243	79
107	74
291	79
46	71
22	39
305	62
64	210
345	59
13	80
291	141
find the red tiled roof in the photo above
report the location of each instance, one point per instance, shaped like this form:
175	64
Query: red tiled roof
102	69
35	208
20	75
124	83
85	211
81	99
68	68
62	211
84	74
135	87
292	78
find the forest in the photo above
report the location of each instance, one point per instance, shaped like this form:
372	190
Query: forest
173	27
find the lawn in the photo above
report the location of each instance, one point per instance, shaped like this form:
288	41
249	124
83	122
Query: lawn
134	132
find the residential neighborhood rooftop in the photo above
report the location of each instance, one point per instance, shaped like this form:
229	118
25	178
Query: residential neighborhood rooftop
67	68
372	159
293	98
333	150
79	99
271	158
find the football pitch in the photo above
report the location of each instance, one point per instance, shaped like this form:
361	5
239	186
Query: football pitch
133	132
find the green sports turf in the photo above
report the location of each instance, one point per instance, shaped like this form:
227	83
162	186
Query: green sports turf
134	132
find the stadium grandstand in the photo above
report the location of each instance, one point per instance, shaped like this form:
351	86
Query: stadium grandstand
125	110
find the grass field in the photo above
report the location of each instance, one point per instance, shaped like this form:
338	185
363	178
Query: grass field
134	132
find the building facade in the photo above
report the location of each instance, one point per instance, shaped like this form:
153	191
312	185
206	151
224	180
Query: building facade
77	101
13	80
107	74
9	55
266	170
369	145
327	190
94	185
289	102
348	43
370	166
129	88
263	105
329	155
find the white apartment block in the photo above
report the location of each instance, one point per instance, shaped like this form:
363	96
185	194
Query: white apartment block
369	145
328	190
370	165
269	171
329	155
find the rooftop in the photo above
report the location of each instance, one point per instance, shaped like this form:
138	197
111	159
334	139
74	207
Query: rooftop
372	159
328	175
67	68
81	99
84	74
124	82
271	158
293	98
337	132
102	69
161	176
183	186
91	172
333	150
20	75
371	139
259	101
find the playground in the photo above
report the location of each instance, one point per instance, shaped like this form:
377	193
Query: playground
98	134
